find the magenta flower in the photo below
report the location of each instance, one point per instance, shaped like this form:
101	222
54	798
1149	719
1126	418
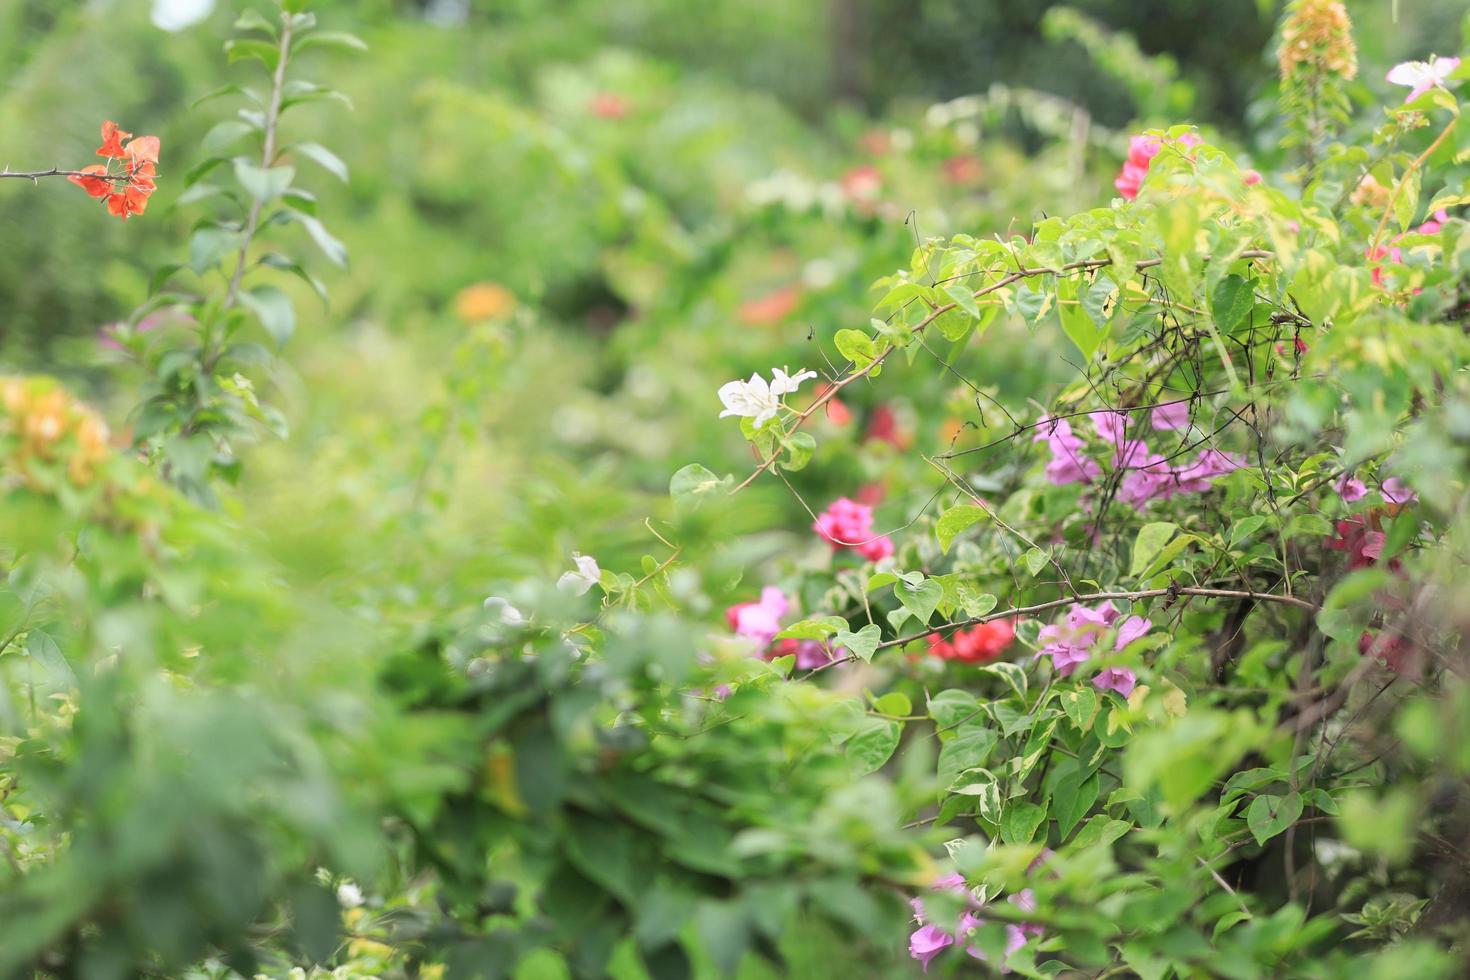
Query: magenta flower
1350	489
760	621
1119	679
1069	464
1171	417
927	942
1421	76
849	524
1132	628
1396	491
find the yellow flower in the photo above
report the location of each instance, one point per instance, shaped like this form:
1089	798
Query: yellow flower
1317	38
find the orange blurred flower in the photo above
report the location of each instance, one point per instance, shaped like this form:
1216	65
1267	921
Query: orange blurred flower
127	192
772	308
484	301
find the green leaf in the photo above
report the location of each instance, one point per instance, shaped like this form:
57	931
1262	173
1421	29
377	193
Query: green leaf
921	600
874	743
800	446
815	628
1406	205
1013	674
274	311
210	244
967	750
1072	799
974	602
1080	704
955	520
1076	323
1035	560
251	20
862	644
331	247
856	346
1268	816
1232	302
963	298
691	486
1150	541
330	39
894	703
262	184
222	135
1020	821
324	157
245	48
42	649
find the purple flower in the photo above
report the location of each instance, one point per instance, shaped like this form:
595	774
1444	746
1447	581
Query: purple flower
1069	464
1103	614
1119	679
1396	491
1350	489
927	942
1132	628
1110	425
1172	417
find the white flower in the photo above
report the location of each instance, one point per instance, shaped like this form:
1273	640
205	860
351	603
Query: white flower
755	399
349	896
1421	76
507	614
584	577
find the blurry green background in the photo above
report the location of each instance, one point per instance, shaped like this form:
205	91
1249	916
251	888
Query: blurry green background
675	194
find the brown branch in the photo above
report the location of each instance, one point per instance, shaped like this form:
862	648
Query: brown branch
35	175
1085	265
1288	600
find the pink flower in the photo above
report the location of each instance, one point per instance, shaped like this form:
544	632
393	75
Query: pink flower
927	942
1173	416
1141	153
1119	679
1110	425
1396	491
1421	76
1350	489
1252	177
809	654
1132	628
1069	464
845	524
876	549
1101	615
760	621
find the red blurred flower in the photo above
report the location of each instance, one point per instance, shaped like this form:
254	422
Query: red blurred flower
607	105
1396	651
1363	545
862	183
883	427
977	645
962	169
770	309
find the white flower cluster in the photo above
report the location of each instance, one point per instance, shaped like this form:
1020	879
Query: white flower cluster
757	399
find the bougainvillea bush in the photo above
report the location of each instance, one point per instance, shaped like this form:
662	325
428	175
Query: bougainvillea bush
1082	601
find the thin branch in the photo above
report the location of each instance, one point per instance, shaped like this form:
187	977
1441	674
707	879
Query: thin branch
1010	279
1287	600
35	175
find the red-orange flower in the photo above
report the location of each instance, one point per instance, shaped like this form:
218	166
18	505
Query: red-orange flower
127	192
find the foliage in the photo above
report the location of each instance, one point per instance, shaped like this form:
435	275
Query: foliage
1090	585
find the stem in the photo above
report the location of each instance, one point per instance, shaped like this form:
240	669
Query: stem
267	157
1085	265
1398	188
1288	600
35	175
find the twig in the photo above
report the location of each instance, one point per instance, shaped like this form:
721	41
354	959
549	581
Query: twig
1085	265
